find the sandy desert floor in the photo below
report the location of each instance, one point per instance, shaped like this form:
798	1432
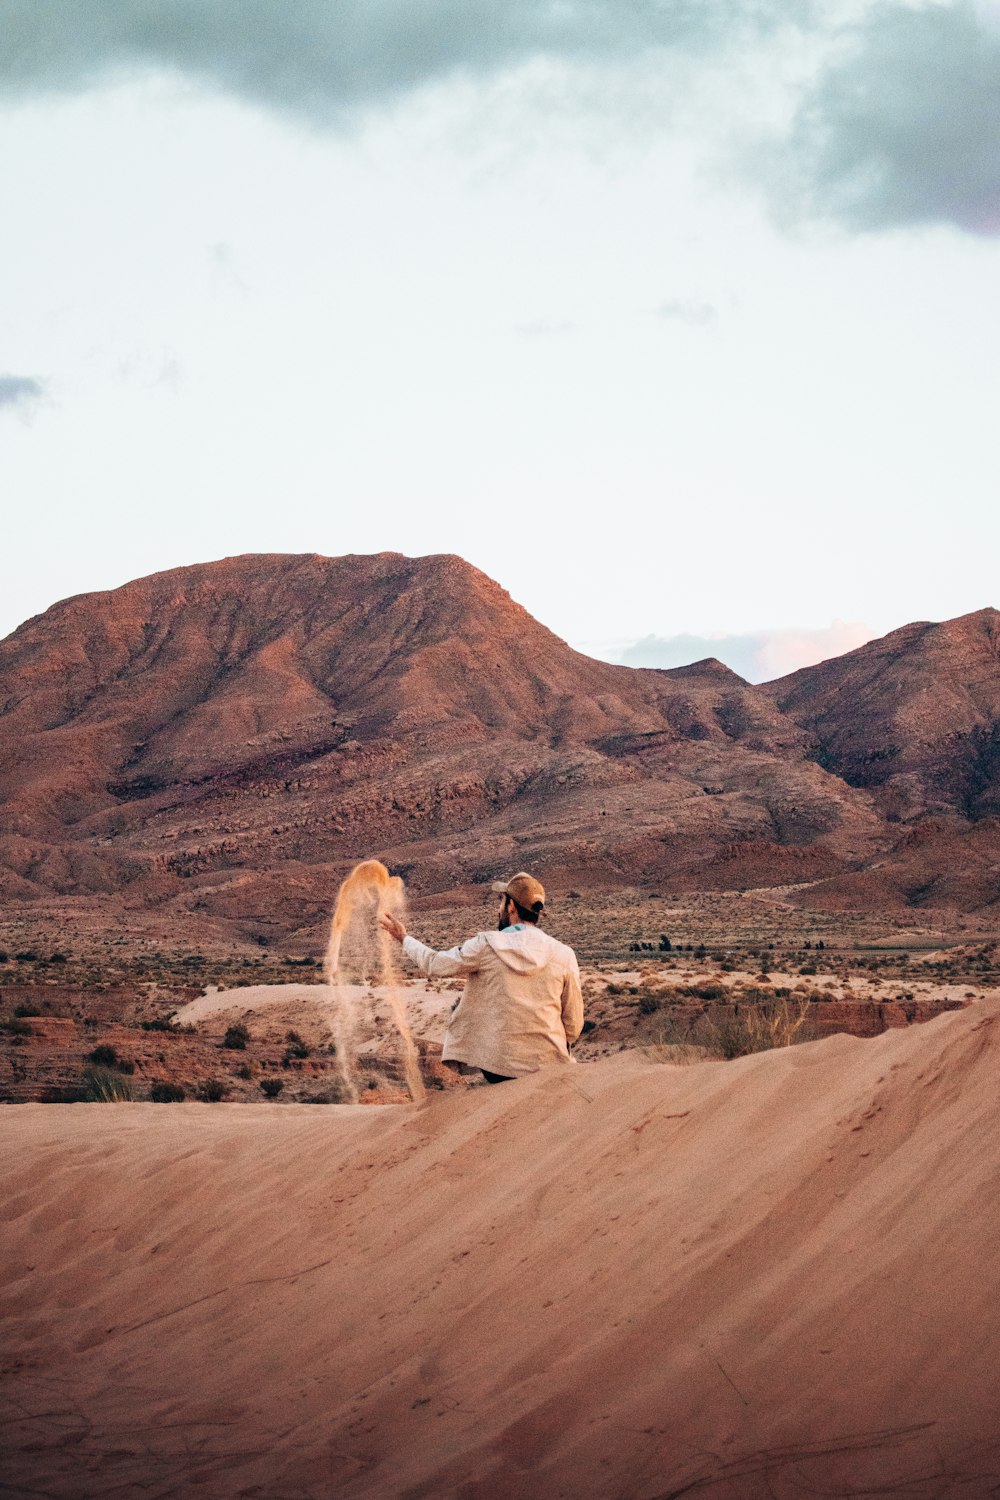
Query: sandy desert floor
771	1277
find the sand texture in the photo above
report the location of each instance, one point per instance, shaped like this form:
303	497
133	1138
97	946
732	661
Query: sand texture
773	1277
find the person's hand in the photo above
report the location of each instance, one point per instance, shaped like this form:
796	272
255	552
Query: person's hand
393	926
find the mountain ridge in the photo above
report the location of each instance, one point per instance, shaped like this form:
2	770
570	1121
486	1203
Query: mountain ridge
197	737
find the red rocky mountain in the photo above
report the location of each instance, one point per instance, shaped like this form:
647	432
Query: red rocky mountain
914	719
221	742
914	716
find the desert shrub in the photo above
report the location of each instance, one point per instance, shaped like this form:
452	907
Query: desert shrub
649	1004
296	1046
4	956
62	1093
28	956
244	1071
709	991
106	1057
106	1086
236	1037
271	1087
334	1093
166	1093
158	1023
58	958
212	1091
16	1027
27	1008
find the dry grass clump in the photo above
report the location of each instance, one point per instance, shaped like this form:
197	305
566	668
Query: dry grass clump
748	1028
107	1086
676	1054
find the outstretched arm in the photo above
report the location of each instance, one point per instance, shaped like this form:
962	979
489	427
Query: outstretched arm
432	964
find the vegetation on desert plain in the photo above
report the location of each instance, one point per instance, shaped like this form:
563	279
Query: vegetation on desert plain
754	1028
735	978
107	1086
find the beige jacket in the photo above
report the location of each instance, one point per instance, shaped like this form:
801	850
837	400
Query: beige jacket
521	1007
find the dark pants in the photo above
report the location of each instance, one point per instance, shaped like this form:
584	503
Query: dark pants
495	1077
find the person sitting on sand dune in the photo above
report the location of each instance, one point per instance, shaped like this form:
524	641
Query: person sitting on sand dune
522	1006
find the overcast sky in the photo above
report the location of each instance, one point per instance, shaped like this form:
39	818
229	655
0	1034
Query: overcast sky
677	317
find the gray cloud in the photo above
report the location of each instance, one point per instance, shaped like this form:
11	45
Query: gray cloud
320	57
758	656
899	125
20	391
903	128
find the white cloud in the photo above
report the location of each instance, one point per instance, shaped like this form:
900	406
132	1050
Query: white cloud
759	656
687	310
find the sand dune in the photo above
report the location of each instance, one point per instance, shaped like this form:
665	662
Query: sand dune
772	1277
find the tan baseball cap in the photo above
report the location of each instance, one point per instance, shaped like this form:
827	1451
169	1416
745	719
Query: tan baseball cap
525	889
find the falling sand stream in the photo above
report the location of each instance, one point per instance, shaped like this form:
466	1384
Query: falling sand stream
367	892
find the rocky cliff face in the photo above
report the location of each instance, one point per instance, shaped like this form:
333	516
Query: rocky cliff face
915	716
914	719
226	739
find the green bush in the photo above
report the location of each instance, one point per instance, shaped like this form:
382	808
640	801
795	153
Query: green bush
166	1093
236	1038
271	1087
107	1086
27	1008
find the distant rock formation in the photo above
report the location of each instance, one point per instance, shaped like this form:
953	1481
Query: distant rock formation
225	740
